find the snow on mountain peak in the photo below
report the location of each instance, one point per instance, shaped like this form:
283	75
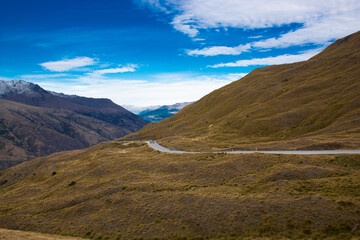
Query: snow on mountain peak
17	86
26	88
62	95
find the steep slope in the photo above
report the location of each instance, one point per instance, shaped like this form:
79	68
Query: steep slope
160	113
55	122
118	190
311	104
27	132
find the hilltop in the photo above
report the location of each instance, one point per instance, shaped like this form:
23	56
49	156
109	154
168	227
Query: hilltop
313	104
35	122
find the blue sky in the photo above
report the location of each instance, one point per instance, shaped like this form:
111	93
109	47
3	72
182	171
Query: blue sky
154	52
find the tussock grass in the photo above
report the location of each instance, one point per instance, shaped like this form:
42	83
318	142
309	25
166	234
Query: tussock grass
6	234
128	191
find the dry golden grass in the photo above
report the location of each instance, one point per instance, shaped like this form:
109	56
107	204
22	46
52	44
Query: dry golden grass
127	190
6	234
307	105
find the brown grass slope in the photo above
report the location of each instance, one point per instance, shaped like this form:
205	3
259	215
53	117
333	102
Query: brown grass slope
127	190
27	132
6	234
313	104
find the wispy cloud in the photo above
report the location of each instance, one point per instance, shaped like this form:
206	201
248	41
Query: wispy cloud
322	20
320	32
184	24
219	50
68	64
155	4
128	68
287	58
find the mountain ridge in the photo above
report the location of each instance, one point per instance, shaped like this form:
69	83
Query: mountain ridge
35	122
99	108
313	104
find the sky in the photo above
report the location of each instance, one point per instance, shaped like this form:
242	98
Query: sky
157	52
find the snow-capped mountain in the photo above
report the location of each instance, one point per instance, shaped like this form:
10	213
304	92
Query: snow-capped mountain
26	88
17	87
36	122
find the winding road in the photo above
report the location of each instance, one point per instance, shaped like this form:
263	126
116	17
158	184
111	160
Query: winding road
156	146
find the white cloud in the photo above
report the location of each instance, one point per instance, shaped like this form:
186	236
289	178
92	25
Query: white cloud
219	50
287	58
128	68
321	32
68	64
184	24
183	88
322	20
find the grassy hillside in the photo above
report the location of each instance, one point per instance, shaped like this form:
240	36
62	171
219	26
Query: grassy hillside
6	234
307	105
127	190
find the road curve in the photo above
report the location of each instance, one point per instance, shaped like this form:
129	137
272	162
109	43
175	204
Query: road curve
156	146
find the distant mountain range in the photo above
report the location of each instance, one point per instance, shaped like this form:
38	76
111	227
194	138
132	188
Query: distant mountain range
35	122
313	104
156	114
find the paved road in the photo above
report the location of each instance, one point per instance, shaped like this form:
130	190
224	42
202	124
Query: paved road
156	146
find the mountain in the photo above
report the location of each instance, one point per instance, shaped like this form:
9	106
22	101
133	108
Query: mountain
313	104
137	109
126	190
156	114
35	122
102	109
